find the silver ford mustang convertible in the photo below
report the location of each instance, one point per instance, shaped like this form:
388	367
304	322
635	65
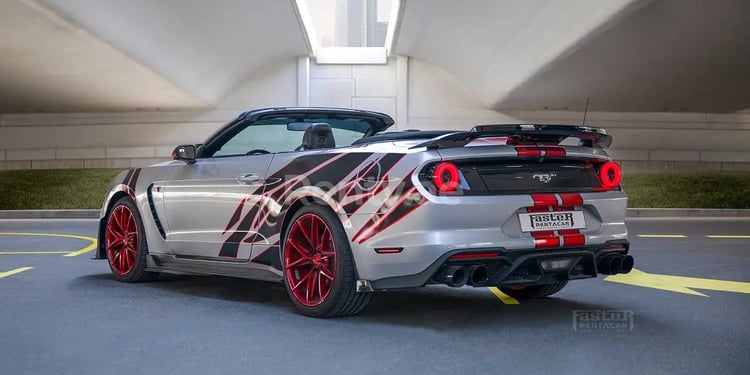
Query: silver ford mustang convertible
333	205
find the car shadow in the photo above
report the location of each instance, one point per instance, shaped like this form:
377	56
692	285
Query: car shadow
433	307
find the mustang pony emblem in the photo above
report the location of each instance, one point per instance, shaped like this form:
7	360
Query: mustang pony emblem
544	177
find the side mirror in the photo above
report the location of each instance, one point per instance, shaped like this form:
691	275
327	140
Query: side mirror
185	153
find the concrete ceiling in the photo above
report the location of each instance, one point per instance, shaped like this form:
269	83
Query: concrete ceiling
49	64
89	55
661	55
627	55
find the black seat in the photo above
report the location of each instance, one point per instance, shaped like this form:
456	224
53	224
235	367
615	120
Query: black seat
318	136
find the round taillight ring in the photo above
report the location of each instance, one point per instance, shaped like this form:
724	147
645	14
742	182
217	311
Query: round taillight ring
446	177
610	175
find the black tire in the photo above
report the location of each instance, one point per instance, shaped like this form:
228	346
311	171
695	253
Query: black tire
535	291
137	272
343	298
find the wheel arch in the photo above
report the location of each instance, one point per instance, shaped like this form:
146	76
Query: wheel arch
297	202
115	195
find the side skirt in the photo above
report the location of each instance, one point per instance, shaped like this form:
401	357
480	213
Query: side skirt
244	270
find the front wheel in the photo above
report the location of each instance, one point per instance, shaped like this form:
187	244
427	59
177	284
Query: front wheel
534	291
319	269
125	243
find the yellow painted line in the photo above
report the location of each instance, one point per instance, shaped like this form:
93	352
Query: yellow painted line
726	236
508	300
85	250
13	272
91	246
678	284
662	236
32	252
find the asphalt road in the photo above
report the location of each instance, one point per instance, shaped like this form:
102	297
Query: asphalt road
66	315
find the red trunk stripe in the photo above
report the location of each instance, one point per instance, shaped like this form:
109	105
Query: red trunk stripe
544	199
571	199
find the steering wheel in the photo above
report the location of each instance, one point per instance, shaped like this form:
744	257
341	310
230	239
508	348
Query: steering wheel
257	151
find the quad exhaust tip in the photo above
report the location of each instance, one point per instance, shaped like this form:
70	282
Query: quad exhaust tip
478	275
458	276
614	264
455	276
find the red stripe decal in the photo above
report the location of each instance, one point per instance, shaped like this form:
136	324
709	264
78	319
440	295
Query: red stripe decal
547	242
575	240
571	199
544	200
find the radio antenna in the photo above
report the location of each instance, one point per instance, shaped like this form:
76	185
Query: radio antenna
585	111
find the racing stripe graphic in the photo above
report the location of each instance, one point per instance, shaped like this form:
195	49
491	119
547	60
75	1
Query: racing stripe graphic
403	201
131	178
236	215
361	197
134	179
326	171
557	238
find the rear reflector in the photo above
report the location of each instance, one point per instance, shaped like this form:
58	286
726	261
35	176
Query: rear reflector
474	256
389	250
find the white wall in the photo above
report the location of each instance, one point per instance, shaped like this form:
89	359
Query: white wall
416	93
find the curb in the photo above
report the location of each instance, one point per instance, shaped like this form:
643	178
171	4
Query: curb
631	213
687	212
49	214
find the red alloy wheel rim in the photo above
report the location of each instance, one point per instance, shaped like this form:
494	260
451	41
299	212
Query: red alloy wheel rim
310	260
122	240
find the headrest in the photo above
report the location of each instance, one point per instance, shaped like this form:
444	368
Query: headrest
318	136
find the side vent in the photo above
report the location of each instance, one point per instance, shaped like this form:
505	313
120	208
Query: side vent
153	211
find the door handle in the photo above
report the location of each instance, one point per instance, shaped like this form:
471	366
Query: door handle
249	179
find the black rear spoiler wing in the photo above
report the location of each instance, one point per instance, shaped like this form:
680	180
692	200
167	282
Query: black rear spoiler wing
525	133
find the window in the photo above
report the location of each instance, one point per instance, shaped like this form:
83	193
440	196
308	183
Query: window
271	135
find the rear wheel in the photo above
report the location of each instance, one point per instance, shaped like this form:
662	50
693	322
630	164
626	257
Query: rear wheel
318	266
125	243
534	291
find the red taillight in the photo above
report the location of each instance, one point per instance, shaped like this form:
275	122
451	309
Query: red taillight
610	175
446	177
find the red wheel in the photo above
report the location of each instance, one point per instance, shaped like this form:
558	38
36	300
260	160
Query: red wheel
318	265
122	240
125	243
310	260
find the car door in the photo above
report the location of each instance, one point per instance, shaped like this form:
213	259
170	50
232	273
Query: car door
205	204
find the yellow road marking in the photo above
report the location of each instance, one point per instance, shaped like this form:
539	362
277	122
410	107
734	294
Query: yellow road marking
678	284
662	236
91	246
31	252
726	236
13	272
508	300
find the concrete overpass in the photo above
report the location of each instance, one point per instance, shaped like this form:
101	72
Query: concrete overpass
116	83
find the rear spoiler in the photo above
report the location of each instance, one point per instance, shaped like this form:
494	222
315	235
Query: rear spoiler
565	135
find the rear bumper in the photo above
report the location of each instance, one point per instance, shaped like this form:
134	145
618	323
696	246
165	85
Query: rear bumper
510	268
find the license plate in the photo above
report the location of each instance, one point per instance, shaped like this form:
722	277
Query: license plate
555	220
